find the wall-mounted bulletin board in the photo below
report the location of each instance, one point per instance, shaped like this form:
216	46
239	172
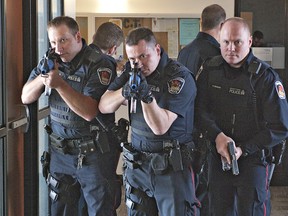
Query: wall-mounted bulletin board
188	30
171	33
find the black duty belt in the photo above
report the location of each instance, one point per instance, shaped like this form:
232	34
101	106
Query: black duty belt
73	146
176	155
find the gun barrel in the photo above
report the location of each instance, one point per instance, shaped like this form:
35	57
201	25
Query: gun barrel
235	168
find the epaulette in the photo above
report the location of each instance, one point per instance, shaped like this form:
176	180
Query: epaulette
215	61
176	67
257	66
210	62
94	56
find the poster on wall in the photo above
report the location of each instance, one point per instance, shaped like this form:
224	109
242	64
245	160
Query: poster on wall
189	29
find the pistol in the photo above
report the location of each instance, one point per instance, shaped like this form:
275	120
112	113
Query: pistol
235	169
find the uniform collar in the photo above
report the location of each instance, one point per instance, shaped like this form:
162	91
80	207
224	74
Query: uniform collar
74	64
95	47
250	57
208	37
162	63
99	51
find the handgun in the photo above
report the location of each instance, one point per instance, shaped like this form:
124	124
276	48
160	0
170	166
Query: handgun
231	149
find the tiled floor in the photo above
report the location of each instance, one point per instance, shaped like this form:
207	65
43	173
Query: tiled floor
279	202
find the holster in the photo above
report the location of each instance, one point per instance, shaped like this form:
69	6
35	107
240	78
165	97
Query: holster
130	156
278	152
58	143
45	161
159	163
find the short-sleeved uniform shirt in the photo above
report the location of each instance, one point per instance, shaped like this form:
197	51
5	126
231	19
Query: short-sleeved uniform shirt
88	73
174	89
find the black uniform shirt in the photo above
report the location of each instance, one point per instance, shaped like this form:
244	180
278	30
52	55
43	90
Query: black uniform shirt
194	53
88	74
174	89
271	108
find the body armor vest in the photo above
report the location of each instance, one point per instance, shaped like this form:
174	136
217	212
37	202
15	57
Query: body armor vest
232	103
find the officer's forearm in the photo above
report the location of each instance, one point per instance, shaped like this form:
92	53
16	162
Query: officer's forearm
82	105
158	119
32	90
111	101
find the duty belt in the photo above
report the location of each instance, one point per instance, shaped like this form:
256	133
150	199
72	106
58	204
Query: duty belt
174	155
72	146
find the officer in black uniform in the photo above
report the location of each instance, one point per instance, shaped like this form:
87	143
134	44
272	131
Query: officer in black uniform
206	42
107	40
161	93
192	56
82	155
241	100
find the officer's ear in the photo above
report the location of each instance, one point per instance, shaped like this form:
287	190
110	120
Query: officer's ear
112	50
78	37
158	49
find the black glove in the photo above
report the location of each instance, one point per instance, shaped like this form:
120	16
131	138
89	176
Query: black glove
144	92
126	91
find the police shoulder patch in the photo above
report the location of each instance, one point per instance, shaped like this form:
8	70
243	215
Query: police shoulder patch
175	85
280	90
104	75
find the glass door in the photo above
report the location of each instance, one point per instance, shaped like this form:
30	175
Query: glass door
47	10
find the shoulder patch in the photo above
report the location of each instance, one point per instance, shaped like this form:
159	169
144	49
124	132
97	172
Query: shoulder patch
104	75
280	90
175	85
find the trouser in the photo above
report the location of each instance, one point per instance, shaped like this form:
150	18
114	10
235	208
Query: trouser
202	190
96	179
170	193
246	194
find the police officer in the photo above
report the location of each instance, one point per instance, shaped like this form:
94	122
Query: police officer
82	155
241	100
107	40
206	42
158	176
192	56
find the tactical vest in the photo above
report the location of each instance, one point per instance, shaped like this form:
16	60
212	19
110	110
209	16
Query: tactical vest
77	79
232	101
143	138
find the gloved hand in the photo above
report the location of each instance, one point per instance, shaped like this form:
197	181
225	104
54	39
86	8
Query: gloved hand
144	92
126	91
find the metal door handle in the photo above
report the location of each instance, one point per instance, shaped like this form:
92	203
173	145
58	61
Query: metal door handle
22	121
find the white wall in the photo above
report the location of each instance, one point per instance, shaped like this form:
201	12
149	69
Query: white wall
70	8
151	8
